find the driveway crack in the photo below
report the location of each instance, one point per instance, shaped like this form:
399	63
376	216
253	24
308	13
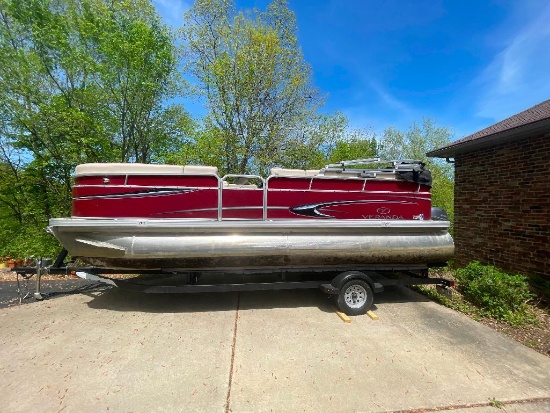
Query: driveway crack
228	397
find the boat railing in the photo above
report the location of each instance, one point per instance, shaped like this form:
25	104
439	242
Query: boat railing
344	167
401	164
353	162
371	167
222	185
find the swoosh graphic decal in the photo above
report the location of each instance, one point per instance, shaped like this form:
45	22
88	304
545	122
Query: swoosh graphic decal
312	210
141	194
243	208
309	211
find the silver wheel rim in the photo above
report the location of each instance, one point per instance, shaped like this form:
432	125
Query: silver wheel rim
355	296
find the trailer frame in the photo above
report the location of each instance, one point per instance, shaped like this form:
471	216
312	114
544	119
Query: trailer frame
352	288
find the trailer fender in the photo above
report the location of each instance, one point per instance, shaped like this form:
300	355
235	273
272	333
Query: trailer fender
337	282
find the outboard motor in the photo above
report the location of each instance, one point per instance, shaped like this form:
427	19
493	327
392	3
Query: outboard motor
439	214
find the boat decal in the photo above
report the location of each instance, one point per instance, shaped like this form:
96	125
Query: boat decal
312	210
215	209
100	244
394	194
142	194
242	207
179	211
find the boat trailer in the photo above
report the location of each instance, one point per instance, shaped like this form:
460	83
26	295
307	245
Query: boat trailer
351	288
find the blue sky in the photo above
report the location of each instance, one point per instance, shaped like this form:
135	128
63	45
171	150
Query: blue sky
466	64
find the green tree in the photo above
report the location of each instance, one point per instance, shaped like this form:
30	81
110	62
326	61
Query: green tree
258	88
22	208
356	144
321	139
81	81
414	143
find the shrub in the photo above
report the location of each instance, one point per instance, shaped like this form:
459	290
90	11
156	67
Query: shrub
25	241
498	294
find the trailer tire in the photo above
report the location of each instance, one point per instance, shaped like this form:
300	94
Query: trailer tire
355	297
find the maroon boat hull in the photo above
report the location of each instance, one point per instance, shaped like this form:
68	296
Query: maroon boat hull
162	196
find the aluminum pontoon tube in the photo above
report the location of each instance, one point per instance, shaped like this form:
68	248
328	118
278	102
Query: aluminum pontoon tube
207	244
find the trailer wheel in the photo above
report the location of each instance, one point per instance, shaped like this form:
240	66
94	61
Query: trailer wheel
355	297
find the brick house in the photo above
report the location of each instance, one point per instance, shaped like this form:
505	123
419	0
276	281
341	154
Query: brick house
502	195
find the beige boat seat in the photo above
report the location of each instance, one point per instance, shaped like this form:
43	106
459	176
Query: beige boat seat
141	169
200	170
126	168
287	172
294	172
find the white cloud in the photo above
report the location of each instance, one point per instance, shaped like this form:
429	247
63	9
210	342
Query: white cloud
390	101
172	11
517	78
373	107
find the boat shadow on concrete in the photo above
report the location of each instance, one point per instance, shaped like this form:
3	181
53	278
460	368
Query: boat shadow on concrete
116	299
13	293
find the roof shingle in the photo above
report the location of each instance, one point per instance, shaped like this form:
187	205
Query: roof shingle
532	115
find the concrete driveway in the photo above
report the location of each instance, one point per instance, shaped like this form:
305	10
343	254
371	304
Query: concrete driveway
280	351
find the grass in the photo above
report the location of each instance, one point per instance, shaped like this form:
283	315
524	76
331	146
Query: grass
496	403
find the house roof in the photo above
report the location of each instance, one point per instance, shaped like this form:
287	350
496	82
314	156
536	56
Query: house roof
532	120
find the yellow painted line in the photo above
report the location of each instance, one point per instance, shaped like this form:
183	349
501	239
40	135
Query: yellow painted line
372	315
343	316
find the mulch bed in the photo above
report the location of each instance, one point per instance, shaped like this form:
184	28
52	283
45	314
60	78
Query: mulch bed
7	275
536	337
